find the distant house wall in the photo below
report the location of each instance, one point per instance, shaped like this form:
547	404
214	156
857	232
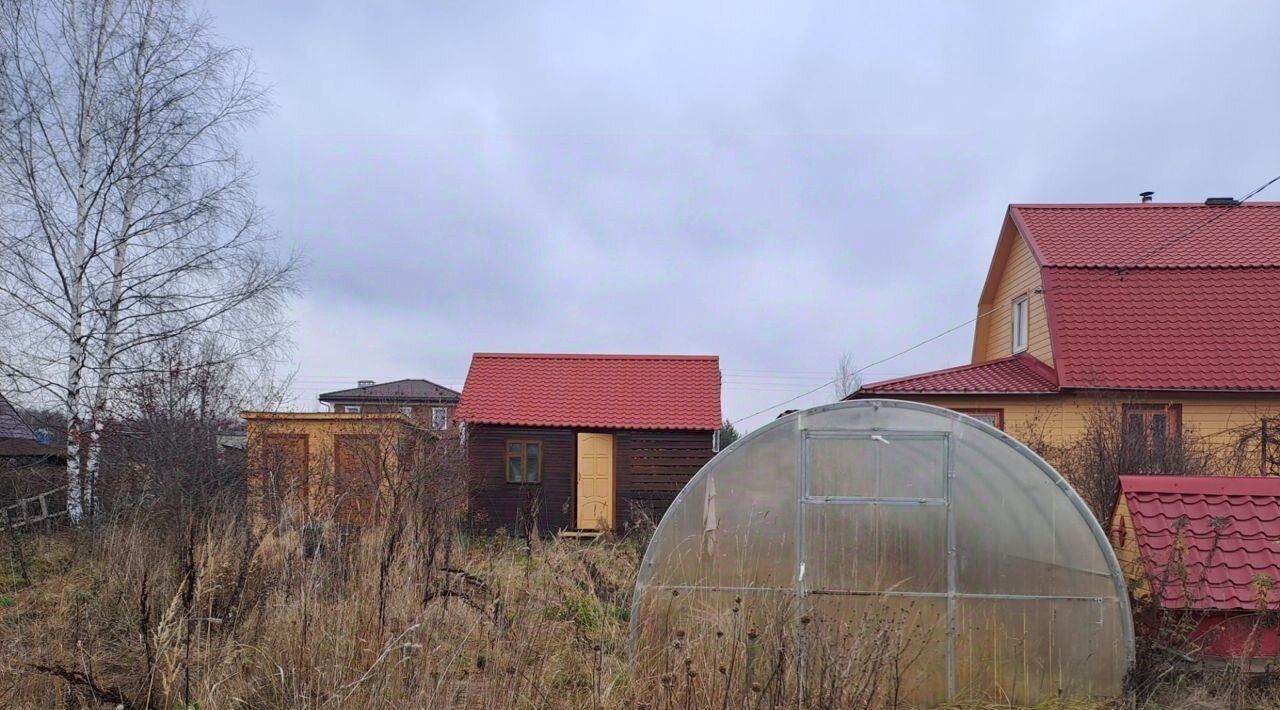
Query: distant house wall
1019	275
1062	418
420	411
650	468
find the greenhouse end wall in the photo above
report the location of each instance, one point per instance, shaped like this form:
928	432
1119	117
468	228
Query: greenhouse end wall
932	554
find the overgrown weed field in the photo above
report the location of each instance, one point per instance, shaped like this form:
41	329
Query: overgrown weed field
212	615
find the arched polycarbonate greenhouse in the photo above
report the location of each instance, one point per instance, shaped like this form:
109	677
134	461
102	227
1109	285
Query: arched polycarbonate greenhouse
887	549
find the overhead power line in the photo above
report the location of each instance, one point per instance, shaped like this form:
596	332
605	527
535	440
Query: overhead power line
1120	271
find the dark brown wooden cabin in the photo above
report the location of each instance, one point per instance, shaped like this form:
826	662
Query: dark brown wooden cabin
584	443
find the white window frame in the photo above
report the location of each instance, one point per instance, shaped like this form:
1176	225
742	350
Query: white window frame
350	409
443	413
1019	319
407	411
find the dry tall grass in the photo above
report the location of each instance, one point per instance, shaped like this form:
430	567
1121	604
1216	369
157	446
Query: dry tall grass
203	610
215	616
218	617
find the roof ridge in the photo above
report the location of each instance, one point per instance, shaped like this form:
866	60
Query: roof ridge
359	388
1135	205
1166	267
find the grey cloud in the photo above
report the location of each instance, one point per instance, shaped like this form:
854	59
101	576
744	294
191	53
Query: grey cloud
773	184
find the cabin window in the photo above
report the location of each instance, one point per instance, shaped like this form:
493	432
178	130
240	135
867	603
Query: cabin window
351	408
1151	431
992	417
439	417
407	411
1019	324
524	461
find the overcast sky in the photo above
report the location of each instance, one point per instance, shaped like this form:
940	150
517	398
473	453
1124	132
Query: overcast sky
774	185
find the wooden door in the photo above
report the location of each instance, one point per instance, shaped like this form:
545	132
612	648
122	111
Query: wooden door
357	479
595	481
282	473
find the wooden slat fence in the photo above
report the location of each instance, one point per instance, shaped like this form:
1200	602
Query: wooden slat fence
44	508
656	465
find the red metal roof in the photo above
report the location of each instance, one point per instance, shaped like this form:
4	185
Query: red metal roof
1206	329
1152	235
1210	541
607	391
1160	296
1151	296
1020	374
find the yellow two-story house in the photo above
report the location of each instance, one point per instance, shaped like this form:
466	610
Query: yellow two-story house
1166	314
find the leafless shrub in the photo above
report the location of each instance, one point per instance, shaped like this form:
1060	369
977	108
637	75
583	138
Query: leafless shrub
1109	445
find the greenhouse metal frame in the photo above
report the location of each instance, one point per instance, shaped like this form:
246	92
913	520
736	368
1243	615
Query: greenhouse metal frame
865	467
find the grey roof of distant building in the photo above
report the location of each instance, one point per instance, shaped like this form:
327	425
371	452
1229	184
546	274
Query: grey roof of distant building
11	425
16	436
399	390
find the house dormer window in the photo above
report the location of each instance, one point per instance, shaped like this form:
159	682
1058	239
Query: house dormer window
1019	324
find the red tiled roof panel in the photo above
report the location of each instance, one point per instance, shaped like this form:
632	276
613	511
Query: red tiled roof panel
1186	329
607	391
1208	543
1160	235
1021	374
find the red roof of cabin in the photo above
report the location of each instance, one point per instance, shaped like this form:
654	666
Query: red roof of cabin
1020	374
606	391
1152	296
1224	531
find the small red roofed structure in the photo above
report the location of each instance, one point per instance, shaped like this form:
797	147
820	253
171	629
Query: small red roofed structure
582	443
1206	548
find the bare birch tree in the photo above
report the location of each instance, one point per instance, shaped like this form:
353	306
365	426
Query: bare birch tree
848	378
127	215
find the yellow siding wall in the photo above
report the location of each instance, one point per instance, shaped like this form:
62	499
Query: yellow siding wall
1061	419
1020	275
1125	542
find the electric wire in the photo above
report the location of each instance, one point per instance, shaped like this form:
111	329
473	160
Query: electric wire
1113	273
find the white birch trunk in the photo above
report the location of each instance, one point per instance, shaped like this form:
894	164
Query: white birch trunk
81	487
107	365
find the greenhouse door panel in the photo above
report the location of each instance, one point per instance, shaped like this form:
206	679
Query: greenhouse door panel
877	531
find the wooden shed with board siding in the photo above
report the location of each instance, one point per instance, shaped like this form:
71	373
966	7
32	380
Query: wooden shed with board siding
326	465
579	444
